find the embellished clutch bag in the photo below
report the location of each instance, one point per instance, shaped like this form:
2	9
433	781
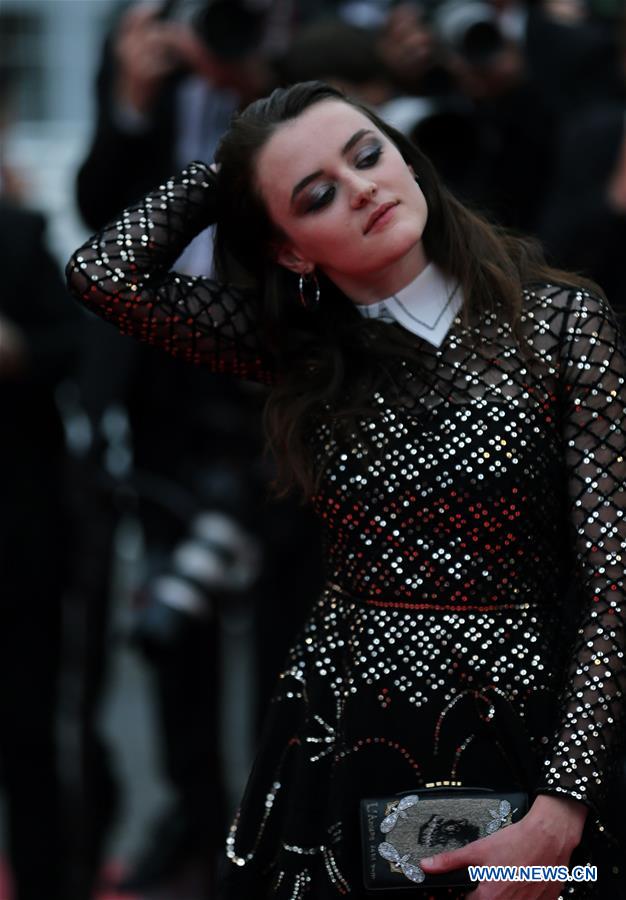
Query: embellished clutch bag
397	832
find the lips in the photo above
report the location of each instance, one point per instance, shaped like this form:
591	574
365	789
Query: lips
378	212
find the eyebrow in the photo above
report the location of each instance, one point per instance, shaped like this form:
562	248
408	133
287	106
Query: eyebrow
356	137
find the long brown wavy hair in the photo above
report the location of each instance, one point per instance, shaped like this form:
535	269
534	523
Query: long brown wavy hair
332	359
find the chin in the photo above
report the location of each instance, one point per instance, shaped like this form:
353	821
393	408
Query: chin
402	241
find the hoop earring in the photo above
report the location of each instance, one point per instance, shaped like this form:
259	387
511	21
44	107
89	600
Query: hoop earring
311	302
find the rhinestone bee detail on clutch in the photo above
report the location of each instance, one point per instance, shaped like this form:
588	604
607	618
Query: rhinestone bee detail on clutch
411	871
388	851
397	812
500	817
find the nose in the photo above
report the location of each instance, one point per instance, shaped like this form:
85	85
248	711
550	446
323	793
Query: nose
363	190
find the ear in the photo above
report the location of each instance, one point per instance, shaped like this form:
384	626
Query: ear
288	256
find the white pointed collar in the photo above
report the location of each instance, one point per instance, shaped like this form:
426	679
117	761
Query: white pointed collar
427	306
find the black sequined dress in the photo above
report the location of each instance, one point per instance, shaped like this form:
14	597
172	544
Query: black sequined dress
472	625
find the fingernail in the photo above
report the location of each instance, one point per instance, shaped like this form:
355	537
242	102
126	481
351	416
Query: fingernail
427	861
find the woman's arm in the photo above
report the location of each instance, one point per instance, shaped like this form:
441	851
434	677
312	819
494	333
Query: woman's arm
587	746
123	274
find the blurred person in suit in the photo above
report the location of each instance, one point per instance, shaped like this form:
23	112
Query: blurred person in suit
39	335
511	130
573	51
166	87
584	222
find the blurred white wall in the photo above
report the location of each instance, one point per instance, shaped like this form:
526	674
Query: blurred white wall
52	49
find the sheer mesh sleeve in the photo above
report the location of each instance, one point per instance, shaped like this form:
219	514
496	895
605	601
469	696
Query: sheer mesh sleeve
588	744
123	274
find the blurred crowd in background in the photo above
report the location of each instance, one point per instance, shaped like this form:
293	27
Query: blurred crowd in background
522	107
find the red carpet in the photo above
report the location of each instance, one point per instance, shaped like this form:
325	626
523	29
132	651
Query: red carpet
5	887
111	872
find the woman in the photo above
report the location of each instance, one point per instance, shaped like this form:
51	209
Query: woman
454	411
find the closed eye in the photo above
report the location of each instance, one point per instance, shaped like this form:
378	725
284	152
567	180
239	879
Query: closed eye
368	157
320	197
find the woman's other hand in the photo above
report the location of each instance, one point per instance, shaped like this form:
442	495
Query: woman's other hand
546	836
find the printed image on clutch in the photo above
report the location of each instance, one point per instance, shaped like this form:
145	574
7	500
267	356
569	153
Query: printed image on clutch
399	833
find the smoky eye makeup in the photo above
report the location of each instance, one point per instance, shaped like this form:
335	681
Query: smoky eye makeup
320	194
318	197
368	155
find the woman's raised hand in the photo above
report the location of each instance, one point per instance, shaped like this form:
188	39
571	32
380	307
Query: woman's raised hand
546	836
